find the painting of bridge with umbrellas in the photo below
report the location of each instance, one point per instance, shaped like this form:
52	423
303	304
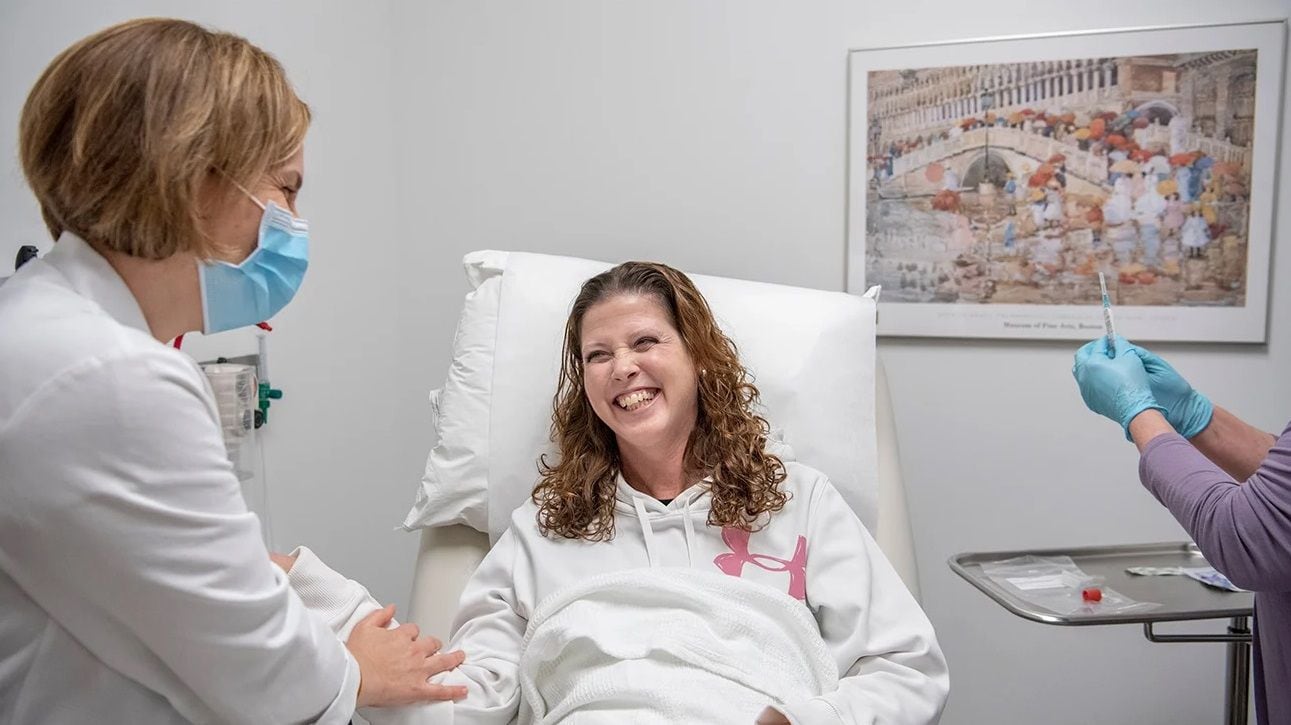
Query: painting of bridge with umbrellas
1017	183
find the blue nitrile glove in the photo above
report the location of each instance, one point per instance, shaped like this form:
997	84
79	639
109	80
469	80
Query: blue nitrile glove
1187	410
1114	387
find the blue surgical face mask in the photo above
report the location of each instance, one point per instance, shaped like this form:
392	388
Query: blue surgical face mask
237	295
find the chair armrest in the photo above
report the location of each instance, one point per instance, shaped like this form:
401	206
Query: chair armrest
894	535
447	558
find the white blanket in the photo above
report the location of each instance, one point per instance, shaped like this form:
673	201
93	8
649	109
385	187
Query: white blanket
669	646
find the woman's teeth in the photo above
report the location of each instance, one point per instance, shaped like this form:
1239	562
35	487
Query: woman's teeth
635	399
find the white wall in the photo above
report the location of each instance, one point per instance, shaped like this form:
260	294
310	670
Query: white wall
709	135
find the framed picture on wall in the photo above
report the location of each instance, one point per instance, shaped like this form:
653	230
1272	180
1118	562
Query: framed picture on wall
991	181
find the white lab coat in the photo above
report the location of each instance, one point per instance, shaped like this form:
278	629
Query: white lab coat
134	586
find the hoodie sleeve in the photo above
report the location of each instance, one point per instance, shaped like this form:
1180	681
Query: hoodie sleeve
489	627
893	671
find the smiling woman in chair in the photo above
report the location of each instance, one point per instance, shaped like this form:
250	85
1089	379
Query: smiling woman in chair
671	568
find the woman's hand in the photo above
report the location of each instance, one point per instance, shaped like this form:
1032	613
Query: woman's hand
772	716
1187	410
394	664
284	561
1114	387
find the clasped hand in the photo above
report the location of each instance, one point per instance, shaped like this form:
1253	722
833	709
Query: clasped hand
1135	380
395	664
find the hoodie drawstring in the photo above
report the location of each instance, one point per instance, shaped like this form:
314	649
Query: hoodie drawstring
690	534
647	531
687	499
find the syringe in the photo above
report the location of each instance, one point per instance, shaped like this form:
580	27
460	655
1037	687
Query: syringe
1107	316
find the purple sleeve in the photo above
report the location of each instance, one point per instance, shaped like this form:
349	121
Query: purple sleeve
1244	530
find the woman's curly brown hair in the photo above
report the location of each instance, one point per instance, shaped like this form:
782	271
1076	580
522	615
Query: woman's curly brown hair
575	495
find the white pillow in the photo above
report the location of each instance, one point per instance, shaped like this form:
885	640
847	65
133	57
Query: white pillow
811	354
454	486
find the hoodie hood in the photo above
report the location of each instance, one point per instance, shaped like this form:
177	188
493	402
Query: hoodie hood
694	501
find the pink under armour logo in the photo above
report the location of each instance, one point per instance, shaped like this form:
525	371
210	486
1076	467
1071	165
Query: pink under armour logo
737	540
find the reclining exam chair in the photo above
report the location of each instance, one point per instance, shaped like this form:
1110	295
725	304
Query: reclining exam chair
811	354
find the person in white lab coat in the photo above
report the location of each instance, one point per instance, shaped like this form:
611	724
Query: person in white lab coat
134	585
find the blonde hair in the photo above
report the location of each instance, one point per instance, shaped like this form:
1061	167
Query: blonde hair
123	131
575	496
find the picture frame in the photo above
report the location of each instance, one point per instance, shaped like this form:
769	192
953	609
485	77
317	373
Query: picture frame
990	181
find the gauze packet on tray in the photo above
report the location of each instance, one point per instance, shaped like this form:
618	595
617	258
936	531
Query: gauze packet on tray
1205	574
1057	584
